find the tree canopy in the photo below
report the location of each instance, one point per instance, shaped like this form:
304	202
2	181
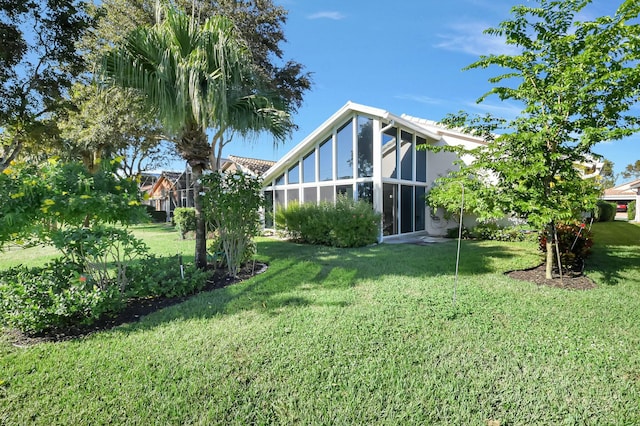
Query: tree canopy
39	61
576	82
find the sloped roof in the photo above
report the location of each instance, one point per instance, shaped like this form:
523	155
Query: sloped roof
626	191
421	126
254	165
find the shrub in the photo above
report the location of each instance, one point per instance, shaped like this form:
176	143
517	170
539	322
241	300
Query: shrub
57	295
231	204
185	220
157	216
348	223
605	211
574	241
631	210
162	276
495	232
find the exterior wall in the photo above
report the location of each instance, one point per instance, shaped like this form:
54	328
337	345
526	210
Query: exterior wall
367	154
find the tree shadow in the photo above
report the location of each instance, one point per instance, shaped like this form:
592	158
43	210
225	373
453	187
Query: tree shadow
297	273
615	252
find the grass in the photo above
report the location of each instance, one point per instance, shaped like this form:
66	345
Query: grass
360	336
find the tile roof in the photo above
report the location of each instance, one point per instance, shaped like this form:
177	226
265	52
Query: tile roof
257	166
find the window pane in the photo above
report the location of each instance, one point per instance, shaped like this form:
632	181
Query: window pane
344	151
268	209
310	195
365	147
421	160
406	155
389	209
389	153
294	174
309	167
279	199
326	160
365	192
345	190
326	193
280	180
406	208
293	195
420	208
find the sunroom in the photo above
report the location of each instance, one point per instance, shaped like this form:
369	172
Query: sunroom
370	154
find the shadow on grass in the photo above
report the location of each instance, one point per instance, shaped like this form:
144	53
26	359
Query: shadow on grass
302	275
616	251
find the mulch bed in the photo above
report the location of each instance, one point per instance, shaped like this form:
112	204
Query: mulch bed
569	281
135	310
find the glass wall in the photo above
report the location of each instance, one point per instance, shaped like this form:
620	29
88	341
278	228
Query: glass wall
344	151
343	163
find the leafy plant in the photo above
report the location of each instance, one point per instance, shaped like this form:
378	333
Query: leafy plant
231	203
164	276
605	211
631	210
574	243
57	295
185	220
348	223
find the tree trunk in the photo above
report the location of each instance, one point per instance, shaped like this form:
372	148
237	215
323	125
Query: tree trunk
549	260
201	237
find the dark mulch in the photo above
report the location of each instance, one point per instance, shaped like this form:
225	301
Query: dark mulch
135	310
570	281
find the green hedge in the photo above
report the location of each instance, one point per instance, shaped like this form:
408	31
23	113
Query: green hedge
631	210
348	223
605	211
185	220
157	216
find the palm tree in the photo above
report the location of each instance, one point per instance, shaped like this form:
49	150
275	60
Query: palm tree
197	77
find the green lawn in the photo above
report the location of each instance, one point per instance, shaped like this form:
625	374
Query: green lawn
359	336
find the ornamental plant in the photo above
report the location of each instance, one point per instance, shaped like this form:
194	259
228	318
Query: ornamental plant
574	244
231	203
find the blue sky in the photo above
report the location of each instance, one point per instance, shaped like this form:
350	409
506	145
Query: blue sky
403	56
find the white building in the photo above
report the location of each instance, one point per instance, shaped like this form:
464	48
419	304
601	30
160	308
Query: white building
371	154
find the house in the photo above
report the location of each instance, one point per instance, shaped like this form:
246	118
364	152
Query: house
171	190
370	154
623	194
251	166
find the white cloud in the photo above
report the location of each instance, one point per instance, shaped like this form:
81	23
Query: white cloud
336	16
420	99
505	110
468	37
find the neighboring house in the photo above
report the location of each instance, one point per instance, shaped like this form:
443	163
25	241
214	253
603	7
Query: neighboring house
251	166
168	190
625	193
369	153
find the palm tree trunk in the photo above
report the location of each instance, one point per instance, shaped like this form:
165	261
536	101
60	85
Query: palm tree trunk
201	237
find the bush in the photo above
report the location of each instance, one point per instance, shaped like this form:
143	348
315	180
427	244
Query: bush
574	241
185	220
162	276
57	295
631	210
157	216
348	223
495	232
605	211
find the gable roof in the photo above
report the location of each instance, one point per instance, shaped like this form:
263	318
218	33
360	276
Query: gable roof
626	191
253	165
423	127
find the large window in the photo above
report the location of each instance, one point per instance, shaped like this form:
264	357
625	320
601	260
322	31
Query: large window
421	159
326	193
389	156
309	167
406	208
325	153
268	209
365	147
310	195
406	155
346	190
420	209
293	196
365	192
344	151
294	174
389	209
